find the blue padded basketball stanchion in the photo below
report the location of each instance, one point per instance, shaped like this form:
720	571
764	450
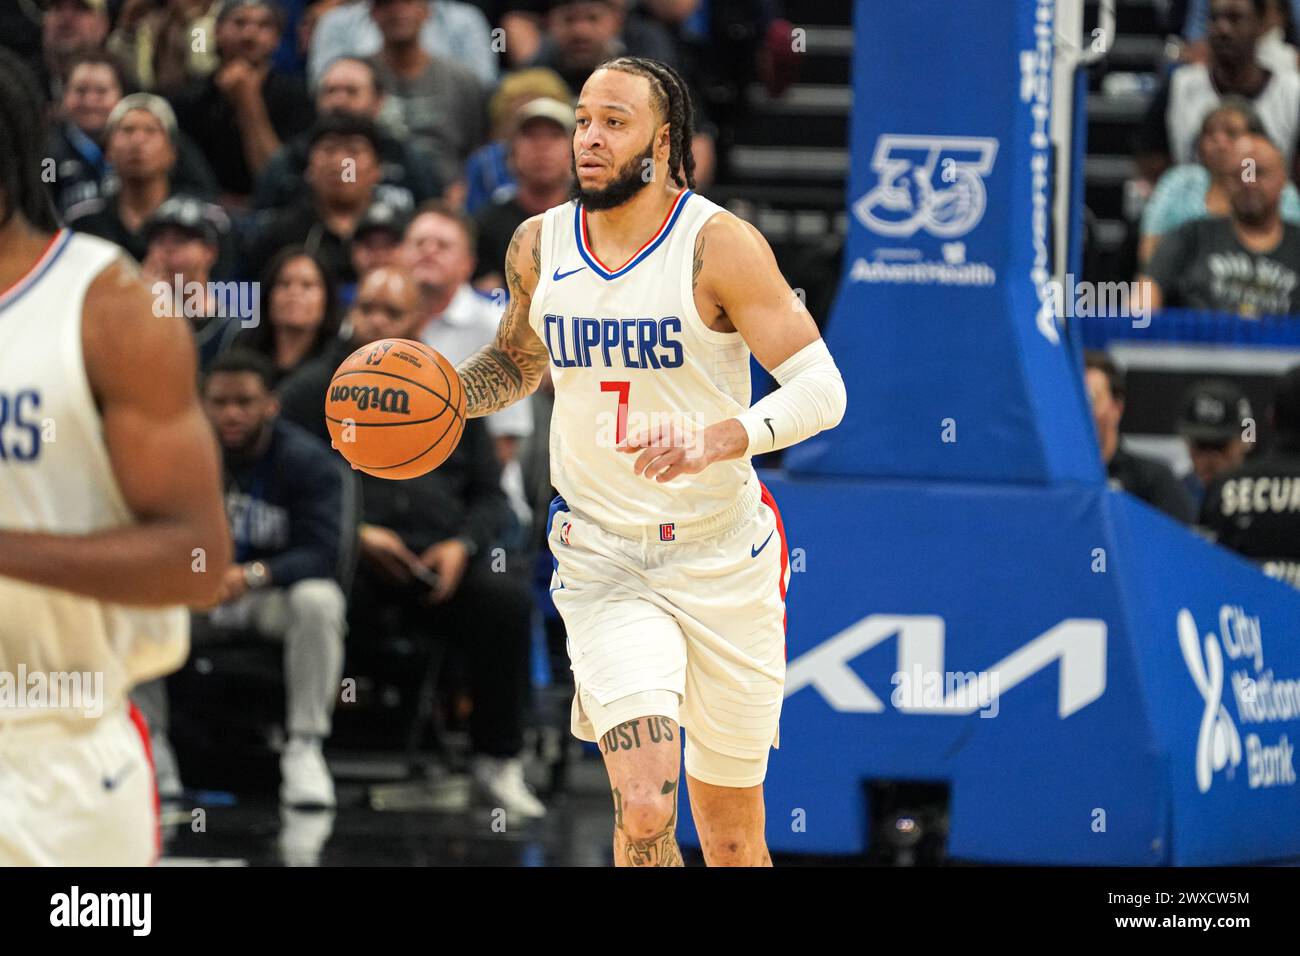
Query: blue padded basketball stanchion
971	605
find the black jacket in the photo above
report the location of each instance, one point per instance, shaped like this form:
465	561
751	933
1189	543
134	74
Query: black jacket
286	508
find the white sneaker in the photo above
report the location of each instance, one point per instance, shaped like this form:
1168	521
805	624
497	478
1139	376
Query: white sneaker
304	778
167	775
501	780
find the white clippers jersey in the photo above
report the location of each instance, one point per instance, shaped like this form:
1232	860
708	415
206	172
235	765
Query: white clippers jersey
55	477
629	351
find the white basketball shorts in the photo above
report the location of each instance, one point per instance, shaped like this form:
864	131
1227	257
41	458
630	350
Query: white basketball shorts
688	621
78	799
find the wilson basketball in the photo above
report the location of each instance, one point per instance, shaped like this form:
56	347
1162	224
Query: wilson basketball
395	409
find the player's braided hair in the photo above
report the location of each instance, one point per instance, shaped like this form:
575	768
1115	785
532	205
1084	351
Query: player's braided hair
672	100
22	145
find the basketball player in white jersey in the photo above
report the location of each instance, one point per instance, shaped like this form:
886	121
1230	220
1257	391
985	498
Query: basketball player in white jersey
645	300
110	512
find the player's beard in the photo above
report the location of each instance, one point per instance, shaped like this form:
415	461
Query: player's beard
628	180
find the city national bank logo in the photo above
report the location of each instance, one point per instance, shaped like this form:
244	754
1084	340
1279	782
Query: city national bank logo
929	184
1259	697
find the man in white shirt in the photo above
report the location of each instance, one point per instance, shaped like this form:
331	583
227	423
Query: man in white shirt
456	31
439	251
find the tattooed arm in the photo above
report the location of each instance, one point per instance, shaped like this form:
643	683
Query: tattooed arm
509	369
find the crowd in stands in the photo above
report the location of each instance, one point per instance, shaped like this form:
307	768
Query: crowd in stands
304	178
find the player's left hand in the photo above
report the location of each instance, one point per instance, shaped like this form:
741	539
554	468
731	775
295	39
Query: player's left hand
663	453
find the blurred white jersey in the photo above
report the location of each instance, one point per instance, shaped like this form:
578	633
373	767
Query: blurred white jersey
629	352
55	477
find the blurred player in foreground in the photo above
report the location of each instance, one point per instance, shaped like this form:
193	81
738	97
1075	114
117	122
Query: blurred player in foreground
110	519
645	301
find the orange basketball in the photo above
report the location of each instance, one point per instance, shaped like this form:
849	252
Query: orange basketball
395	409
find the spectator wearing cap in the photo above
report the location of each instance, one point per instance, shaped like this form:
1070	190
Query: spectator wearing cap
451	31
350	85
1168	133
1248	263
434	101
96	83
184	239
541	157
240	114
341	179
158	41
1150	480
140	144
70	27
376	243
1215	417
1254	509
488	167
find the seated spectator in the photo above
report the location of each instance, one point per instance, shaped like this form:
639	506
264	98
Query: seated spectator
452	31
487	169
140	145
1248	263
341	181
541	155
284	499
407	175
1169	132
96	83
457	321
1216	414
454	319
376	242
157	39
426	554
183	240
436	101
1254	509
299	317
1196	190
582	34
69	28
1274	50
1150	480
240	114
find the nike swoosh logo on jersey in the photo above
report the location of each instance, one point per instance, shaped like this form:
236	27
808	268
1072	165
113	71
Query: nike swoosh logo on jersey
110	783
753	551
564	275
768	423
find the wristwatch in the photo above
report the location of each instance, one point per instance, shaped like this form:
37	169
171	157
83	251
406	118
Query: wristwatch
256	575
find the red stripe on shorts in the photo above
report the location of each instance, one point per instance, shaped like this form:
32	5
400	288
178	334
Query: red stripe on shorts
768	500
142	728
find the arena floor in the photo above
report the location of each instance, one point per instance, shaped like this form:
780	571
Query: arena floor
382	823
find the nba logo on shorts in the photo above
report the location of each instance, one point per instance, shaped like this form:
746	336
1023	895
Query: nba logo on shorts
565	527
666	532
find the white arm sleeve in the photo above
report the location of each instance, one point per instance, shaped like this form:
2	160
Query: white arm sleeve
811	398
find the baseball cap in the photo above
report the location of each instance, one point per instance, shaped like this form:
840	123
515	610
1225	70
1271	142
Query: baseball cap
382	215
202	219
544	107
1213	411
344	124
148	102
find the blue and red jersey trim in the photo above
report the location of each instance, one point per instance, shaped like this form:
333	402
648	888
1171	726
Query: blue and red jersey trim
589	255
53	249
